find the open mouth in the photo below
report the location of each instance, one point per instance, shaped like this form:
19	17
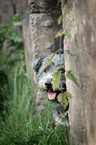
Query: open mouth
53	95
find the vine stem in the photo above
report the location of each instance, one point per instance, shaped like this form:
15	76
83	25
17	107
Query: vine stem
60	43
64	44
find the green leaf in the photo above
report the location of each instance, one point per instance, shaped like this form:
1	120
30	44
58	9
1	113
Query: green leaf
15	18
70	16
68	34
17	23
59	34
3	26
63	98
71	76
49	60
12	51
60	19
71	54
55	80
14	37
67	94
64	3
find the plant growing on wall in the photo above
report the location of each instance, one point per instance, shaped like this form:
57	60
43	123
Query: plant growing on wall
14	51
65	96
11	53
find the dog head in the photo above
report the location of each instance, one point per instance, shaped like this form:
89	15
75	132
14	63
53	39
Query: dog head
44	74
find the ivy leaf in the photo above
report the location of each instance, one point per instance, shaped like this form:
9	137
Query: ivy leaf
55	80
71	76
70	16
63	98
59	34
60	19
71	54
17	23
67	94
64	3
49	60
68	34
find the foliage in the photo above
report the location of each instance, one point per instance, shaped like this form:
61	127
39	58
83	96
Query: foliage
69	15
49	60
11	55
71	54
63	98
71	76
60	19
14	50
7	32
21	126
66	33
59	34
55	79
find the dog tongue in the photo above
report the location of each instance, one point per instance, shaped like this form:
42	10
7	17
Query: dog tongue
51	95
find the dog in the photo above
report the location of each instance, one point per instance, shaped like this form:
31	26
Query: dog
44	74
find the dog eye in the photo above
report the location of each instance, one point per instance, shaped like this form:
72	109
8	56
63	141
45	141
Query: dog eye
45	70
62	70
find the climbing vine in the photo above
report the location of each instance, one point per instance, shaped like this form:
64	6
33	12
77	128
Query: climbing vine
64	97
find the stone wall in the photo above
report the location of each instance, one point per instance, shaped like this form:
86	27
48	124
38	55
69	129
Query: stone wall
39	27
10	7
82	110
39	30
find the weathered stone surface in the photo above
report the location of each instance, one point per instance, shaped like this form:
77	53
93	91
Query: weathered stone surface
43	6
39	32
6	10
9	8
28	47
43	30
39	29
83	44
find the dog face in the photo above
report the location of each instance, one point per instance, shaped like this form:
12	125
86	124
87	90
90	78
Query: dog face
44	77
44	74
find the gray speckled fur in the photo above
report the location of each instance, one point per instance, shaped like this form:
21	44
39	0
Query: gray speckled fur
39	66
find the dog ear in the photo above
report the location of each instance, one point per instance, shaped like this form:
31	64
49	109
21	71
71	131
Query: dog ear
36	64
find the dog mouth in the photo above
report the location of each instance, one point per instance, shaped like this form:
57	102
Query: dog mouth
51	95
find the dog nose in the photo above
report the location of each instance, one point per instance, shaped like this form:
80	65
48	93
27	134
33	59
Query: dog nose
48	85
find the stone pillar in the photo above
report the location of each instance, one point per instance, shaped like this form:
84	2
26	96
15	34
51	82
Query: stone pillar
82	110
39	30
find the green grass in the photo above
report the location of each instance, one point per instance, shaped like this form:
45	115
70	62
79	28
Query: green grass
21	126
19	123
